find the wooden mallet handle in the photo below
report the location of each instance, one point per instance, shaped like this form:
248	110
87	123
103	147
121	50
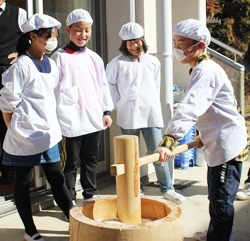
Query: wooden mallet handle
118	169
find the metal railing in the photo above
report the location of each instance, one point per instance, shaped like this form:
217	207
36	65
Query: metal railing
227	47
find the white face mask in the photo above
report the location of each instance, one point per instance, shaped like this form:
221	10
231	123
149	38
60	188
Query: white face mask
50	46
179	54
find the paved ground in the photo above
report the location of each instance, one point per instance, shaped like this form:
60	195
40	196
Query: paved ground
52	225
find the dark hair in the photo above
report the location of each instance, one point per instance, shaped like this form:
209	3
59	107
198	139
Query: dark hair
23	43
124	50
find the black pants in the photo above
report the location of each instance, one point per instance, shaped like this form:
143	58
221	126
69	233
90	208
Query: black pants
7	172
55	177
223	183
85	149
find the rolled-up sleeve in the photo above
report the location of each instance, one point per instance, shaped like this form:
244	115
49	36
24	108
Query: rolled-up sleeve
12	80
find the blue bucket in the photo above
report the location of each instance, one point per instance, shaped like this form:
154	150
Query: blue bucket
185	159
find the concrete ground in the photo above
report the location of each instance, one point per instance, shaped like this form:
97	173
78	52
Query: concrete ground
52	225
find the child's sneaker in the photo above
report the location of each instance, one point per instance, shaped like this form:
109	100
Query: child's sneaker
244	194
35	237
90	197
174	197
202	236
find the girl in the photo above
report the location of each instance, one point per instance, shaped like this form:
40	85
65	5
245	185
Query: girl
137	98
28	104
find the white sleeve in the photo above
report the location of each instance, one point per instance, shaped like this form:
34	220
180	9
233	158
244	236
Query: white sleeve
112	80
22	17
12	80
199	96
107	99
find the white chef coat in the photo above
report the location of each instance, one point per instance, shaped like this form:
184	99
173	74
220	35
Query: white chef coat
22	14
137	98
83	93
30	96
209	103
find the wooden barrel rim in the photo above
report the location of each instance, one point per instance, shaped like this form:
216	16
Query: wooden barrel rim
76	213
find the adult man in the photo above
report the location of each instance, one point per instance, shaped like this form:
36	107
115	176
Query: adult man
11	18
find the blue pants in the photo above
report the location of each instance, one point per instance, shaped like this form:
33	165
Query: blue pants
223	183
153	137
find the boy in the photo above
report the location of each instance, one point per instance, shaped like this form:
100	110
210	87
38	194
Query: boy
209	104
84	103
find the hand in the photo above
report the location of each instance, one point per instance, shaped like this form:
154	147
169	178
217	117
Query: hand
14	56
200	146
107	121
164	152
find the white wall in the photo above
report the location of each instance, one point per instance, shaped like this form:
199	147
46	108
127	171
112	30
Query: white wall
185	9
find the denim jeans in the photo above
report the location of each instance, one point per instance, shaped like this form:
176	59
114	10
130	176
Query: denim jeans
153	137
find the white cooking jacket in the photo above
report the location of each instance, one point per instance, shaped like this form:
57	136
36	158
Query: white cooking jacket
83	94
30	96
137	98
209	103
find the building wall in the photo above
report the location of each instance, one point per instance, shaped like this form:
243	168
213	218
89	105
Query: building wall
193	9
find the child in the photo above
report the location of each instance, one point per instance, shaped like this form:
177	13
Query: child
28	104
137	99
84	103
209	103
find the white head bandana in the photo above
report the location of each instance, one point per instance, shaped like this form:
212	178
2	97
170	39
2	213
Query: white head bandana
131	31
193	29
79	15
38	21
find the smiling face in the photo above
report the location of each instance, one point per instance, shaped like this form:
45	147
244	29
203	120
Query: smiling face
80	33
134	47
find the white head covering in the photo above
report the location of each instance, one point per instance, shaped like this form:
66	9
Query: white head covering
193	29
79	15
38	21
131	31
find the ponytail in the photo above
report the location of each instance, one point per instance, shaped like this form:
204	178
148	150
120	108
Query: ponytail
23	44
